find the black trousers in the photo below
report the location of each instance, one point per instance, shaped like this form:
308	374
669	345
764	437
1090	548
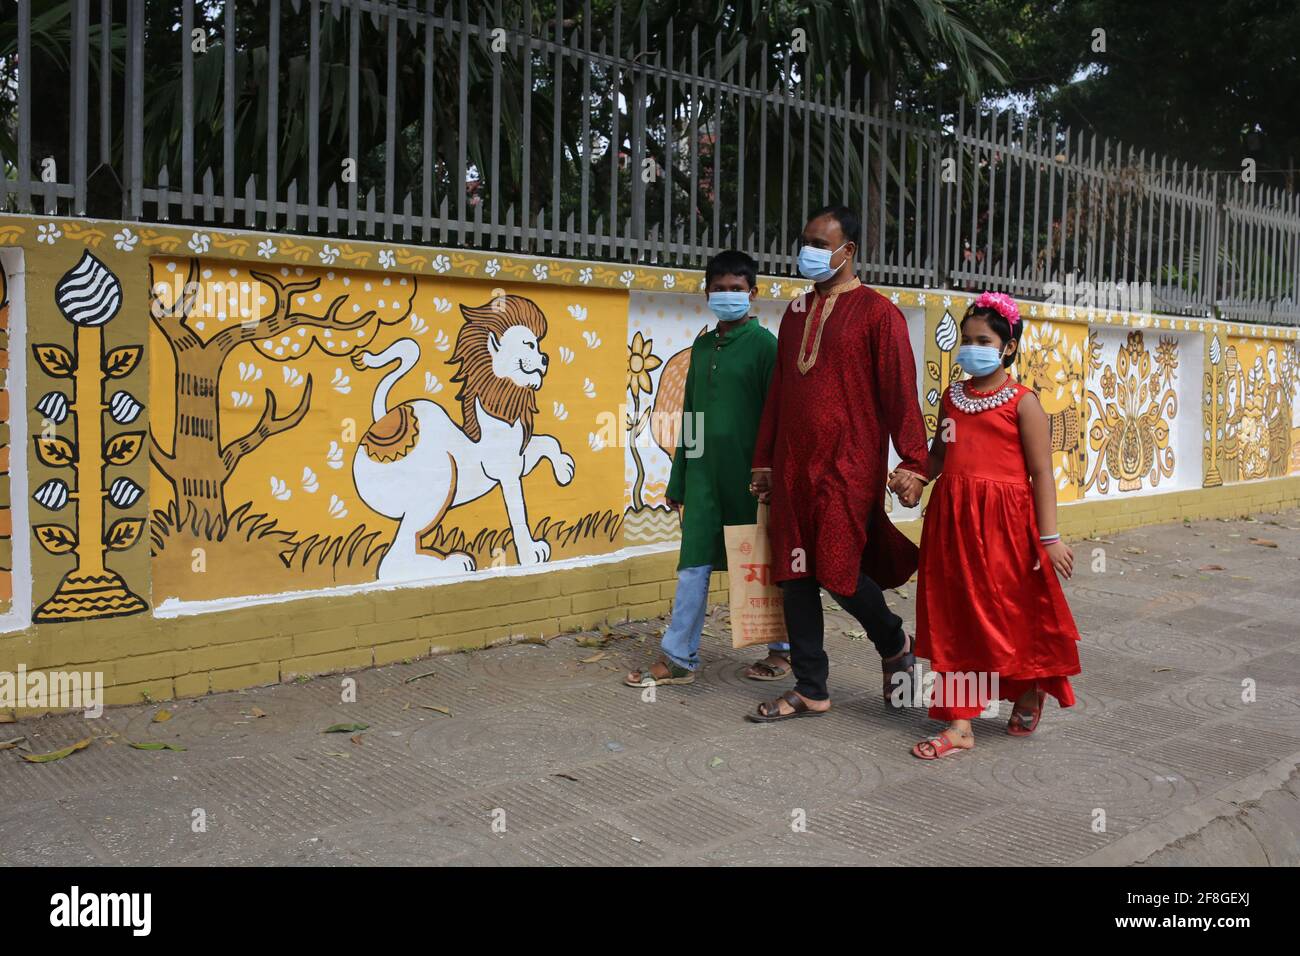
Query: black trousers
803	622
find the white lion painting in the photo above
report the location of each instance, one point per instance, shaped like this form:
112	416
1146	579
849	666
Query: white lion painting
415	464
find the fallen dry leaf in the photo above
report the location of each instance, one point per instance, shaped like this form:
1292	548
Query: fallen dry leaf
590	642
416	677
1211	567
434	707
1135	550
57	754
11	744
1263	542
7	717
335	753
257	712
162	715
593	658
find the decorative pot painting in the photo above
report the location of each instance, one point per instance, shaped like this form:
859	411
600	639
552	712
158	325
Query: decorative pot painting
315	427
85	455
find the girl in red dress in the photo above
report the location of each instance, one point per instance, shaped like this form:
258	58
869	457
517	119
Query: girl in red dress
989	605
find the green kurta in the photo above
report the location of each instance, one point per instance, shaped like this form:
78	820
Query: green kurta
725	390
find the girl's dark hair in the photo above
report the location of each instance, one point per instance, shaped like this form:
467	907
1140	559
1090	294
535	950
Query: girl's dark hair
1000	326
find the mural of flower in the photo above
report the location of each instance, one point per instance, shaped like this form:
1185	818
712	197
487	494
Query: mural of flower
584	275
328	254
125	240
641	361
386	258
440	263
200	242
540	272
48	232
493	267
266	248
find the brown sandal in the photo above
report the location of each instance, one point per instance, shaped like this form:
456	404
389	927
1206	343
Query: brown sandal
770	712
755	670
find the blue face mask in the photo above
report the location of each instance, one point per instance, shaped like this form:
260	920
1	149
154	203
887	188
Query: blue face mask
979	360
815	264
729	306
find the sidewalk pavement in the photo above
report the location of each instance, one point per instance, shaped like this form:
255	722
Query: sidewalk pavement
545	741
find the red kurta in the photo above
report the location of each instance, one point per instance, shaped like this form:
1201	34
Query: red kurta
825	434
988	600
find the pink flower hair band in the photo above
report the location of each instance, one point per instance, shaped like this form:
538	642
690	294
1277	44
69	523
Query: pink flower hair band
1001	303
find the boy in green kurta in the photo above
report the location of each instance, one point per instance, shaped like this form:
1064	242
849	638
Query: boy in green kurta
709	484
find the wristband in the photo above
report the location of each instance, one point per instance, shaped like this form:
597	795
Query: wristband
1048	538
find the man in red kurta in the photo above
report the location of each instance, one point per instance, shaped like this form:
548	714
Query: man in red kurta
843	386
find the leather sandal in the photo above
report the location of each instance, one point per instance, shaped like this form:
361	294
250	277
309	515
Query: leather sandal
905	663
769	712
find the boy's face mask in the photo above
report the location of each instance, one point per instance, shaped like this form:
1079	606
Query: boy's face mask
729	306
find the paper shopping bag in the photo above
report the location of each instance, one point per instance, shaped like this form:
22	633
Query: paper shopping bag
756	612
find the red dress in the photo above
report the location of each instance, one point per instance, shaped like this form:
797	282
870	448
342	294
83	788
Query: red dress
988	600
843	386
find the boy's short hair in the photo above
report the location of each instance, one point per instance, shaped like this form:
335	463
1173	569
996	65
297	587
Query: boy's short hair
731	262
849	222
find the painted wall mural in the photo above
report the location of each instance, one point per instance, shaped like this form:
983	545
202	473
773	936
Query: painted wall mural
1259	389
6	441
409	428
321	413
73	442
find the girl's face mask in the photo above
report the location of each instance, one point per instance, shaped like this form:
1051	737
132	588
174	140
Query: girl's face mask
979	360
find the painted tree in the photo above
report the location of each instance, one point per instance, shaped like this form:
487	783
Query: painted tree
203	325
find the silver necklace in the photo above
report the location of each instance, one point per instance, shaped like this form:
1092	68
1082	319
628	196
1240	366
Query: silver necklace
973	405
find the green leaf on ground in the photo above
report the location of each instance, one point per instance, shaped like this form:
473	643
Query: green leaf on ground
716	762
345	728
162	715
154	746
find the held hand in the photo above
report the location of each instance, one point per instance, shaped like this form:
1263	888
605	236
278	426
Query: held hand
760	485
907	487
675	506
1062	558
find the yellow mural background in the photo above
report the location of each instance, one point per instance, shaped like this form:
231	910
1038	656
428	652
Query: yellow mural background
302	507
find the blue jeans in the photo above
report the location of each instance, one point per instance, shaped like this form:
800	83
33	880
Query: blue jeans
681	642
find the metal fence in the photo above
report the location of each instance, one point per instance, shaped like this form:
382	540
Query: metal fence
424	122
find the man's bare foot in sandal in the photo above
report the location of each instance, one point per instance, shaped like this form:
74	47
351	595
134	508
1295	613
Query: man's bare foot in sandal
788	706
662	671
773	667
956	737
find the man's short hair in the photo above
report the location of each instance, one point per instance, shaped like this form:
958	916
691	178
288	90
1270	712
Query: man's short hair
732	262
849	222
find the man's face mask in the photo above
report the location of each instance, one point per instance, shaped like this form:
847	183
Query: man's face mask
815	264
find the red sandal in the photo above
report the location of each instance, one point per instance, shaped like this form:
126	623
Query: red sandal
940	745
1021	724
